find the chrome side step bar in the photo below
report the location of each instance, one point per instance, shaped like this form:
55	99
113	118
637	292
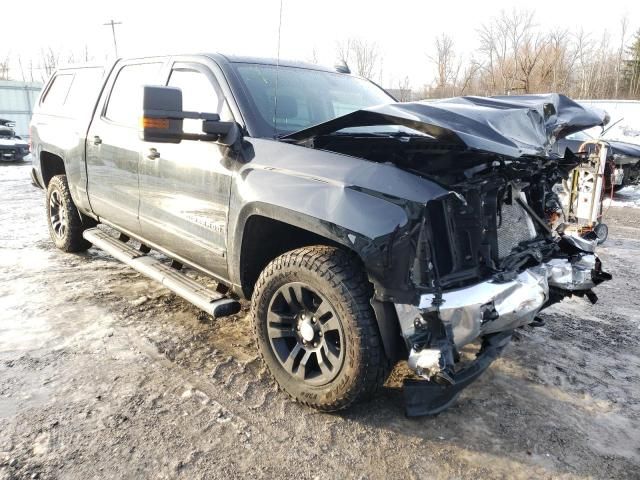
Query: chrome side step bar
212	302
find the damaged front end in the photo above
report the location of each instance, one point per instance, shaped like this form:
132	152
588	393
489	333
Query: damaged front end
441	324
482	258
524	266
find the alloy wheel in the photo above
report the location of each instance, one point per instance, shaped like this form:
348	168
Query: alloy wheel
305	334
57	214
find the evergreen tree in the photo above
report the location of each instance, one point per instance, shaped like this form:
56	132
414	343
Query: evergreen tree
632	68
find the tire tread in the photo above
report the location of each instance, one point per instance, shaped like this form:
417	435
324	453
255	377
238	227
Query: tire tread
73	241
342	271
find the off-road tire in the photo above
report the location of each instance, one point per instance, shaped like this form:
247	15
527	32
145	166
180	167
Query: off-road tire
337	275
70	239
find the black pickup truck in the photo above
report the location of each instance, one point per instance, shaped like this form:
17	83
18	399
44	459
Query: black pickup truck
364	231
12	147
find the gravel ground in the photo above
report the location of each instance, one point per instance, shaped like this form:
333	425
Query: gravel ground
103	374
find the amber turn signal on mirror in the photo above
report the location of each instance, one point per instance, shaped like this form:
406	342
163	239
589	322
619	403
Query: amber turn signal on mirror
159	123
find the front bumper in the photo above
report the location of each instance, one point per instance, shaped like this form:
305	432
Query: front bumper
430	398
13	154
491	306
490	311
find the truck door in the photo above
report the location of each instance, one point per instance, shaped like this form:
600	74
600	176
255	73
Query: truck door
185	187
113	146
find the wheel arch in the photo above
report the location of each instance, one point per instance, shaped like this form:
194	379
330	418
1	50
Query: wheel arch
51	165
265	232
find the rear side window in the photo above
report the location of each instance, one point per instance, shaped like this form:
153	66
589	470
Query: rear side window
57	93
84	91
125	101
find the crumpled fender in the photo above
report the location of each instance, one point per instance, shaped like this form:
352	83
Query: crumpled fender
344	199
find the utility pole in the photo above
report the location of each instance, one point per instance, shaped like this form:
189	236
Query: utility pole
113	31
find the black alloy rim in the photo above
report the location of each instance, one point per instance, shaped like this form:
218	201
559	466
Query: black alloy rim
305	334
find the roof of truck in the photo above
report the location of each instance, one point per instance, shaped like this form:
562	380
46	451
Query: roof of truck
267	61
218	57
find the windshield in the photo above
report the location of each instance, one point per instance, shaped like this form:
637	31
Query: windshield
305	97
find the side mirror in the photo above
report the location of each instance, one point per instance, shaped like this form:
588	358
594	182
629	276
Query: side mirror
226	133
162	117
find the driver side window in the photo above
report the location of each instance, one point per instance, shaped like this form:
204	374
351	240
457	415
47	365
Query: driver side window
199	94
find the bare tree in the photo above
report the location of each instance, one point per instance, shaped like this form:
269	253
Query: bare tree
24	78
556	63
501	44
80	56
362	57
604	69
494	45
366	57
528	59
5	64
49	60
515	54
313	58
584	52
624	24
445	63
469	76
343	51
31	70
404	90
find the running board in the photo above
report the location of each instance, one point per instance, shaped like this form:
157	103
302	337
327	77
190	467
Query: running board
212	302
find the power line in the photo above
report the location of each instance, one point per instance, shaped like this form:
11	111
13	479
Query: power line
113	31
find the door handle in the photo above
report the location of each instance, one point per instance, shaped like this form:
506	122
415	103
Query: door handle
153	154
97	140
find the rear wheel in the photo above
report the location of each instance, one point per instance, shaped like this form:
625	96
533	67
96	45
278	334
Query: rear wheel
65	223
316	329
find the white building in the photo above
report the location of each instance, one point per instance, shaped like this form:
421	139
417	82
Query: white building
16	103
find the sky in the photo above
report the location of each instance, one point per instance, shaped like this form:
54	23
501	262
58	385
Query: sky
404	31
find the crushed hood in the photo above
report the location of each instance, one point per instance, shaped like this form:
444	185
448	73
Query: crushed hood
513	126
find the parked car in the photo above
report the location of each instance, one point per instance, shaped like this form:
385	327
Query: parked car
12	147
364	231
625	158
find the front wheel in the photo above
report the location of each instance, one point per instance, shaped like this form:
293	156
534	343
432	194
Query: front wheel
65	223
316	329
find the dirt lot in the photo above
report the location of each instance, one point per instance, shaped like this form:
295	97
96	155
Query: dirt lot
105	375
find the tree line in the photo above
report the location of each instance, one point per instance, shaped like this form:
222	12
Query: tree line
38	68
514	55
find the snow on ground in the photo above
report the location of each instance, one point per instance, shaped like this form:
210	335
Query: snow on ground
627	197
105	374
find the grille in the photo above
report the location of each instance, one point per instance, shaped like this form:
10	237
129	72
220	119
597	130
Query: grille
516	227
7	153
